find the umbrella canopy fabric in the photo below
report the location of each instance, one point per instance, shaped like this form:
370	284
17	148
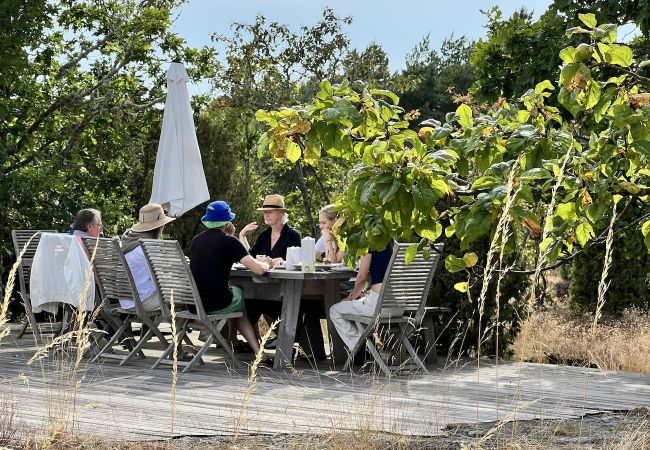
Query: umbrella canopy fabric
178	179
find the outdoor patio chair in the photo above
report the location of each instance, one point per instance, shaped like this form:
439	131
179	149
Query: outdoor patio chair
115	283
401	303
422	315
20	239
175	283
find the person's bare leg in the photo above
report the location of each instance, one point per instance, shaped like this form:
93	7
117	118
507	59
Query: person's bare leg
246	329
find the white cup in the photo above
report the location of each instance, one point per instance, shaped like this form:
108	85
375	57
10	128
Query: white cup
293	258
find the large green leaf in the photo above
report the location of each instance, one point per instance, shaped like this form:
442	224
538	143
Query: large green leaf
588	19
584	232
454	264
567	211
465	116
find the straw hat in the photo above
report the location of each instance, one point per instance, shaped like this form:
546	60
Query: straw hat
273	202
151	217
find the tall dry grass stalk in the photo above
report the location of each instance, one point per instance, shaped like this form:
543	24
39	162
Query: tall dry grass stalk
172	313
242	418
548	220
607	263
67	350
498	242
9	288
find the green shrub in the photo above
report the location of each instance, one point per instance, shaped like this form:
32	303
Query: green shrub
461	333
627	276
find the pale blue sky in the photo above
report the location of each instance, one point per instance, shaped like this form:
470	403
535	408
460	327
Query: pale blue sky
397	26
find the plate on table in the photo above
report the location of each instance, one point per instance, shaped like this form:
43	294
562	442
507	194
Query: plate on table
238	266
323	266
342	268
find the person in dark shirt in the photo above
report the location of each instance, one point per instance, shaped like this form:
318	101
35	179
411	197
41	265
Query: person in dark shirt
272	242
212	254
279	236
372	268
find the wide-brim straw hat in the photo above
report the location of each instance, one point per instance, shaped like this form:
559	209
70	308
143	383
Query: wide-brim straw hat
273	202
151	216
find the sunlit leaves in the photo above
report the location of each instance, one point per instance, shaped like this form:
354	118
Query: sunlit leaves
464	113
453	177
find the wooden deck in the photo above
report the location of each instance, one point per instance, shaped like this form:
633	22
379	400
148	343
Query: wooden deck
135	403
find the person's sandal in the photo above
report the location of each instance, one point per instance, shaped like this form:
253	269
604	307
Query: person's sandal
242	347
266	361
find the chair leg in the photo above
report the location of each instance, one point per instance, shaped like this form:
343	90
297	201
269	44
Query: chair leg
216	332
375	354
411	350
31	319
170	348
23	328
137	349
429	334
198	357
109	345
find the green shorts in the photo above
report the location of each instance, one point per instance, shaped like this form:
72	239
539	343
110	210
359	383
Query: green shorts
237	304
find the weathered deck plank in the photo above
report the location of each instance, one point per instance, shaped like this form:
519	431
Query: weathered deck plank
134	402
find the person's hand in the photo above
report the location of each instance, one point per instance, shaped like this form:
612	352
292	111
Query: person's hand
327	234
230	229
278	261
248	229
268	260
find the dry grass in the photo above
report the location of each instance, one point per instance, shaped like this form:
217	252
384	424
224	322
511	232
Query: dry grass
622	344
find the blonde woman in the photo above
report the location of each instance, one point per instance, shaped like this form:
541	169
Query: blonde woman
327	247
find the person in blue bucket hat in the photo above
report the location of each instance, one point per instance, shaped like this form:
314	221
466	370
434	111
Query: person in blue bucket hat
212	254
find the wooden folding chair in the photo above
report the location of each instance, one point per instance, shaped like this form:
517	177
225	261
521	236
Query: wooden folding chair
175	283
21	238
116	283
404	291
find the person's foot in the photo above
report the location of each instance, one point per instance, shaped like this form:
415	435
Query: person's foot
242	347
266	361
271	342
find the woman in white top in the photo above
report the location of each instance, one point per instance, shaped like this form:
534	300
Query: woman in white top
151	222
326	246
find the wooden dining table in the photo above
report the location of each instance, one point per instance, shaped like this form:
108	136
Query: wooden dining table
290	287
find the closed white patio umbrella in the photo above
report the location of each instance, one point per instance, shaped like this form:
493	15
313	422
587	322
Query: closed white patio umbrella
178	179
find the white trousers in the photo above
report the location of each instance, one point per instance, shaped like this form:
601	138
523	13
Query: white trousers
347	329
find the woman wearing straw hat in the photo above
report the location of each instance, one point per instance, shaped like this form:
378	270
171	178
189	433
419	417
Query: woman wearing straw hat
279	236
151	222
272	242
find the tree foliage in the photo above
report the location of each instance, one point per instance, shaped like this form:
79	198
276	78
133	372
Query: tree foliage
558	181
79	80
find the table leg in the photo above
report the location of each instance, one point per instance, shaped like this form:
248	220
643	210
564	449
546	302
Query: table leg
337	347
291	293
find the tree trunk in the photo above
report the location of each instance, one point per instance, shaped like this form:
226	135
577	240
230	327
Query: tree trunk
305	198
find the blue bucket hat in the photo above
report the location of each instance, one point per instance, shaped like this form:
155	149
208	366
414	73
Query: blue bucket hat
218	211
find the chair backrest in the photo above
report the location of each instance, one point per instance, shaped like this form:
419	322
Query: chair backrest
21	238
406	286
172	275
112	273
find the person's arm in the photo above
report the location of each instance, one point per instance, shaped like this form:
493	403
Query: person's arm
331	252
362	277
245	232
255	266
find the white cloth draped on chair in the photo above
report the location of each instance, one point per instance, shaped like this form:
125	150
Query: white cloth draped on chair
59	274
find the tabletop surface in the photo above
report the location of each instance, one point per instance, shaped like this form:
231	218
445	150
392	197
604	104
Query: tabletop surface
296	274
